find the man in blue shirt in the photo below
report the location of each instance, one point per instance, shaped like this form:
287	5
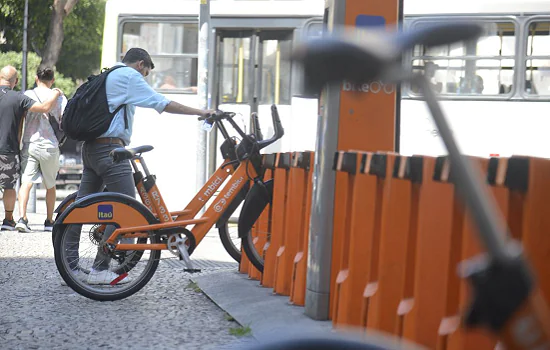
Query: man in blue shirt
123	86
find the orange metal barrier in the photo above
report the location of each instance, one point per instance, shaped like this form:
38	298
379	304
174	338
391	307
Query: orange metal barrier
527	180
280	178
394	225
299	264
381	167
355	263
432	257
348	164
402	235
419	171
295	191
465	245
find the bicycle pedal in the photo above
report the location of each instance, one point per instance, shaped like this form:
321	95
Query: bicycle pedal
192	270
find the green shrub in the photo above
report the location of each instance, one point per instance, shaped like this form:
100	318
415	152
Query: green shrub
67	85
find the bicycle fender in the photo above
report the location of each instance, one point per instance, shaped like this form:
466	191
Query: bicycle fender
259	196
107	208
233	205
65	202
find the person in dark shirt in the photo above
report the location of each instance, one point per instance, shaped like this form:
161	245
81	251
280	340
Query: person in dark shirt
13	106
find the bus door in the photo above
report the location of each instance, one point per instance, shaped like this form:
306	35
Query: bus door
252	72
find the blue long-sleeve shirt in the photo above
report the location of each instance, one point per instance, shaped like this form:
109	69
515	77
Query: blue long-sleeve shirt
127	86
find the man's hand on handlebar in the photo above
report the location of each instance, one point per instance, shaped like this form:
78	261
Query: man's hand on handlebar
206	113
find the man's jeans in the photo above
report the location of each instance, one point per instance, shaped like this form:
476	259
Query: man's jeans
99	169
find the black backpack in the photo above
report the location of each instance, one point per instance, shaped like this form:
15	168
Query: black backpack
86	115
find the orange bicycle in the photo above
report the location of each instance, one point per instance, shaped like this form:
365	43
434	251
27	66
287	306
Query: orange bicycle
143	233
228	234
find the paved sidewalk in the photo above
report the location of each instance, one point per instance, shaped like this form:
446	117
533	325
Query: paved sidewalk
37	312
268	315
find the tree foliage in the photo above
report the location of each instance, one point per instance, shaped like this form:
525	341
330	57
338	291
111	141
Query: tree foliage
56	34
15	59
83	30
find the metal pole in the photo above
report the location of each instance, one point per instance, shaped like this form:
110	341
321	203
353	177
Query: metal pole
213	84
24	63
324	181
202	88
31	205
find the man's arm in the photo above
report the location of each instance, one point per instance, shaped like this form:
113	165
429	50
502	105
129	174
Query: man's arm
46	106
139	93
178	108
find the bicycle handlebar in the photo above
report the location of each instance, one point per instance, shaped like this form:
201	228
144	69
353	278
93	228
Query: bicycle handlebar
277	126
218	116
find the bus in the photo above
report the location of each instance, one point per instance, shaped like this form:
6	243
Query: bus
495	92
249	70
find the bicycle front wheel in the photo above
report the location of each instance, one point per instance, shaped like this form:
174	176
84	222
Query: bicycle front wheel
253	251
229	235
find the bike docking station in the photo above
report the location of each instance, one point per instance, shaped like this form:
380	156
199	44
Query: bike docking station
359	237
302	231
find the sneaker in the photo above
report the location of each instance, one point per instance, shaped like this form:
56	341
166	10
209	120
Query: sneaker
105	277
23	225
48	226
8	225
79	275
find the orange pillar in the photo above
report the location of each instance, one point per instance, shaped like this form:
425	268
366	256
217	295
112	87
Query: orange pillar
365	123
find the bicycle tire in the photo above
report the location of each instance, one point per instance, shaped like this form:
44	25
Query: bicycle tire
252	254
222	225
227	242
66	275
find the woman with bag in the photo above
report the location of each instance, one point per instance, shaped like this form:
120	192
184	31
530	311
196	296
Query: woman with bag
40	152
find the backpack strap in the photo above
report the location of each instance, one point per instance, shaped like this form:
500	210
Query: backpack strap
123	105
125	116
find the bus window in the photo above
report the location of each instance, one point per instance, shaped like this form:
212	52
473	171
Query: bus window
173	48
482	68
276	70
235	69
537	72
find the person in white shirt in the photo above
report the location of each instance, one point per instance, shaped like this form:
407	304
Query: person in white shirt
40	151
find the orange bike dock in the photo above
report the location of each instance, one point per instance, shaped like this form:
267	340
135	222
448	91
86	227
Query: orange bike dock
360	236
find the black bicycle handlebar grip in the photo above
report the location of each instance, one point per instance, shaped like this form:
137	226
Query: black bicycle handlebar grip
277	126
440	34
279	130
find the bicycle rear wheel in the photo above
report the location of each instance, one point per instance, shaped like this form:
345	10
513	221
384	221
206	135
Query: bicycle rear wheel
76	255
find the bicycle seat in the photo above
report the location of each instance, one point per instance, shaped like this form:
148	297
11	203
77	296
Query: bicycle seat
361	56
120	154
